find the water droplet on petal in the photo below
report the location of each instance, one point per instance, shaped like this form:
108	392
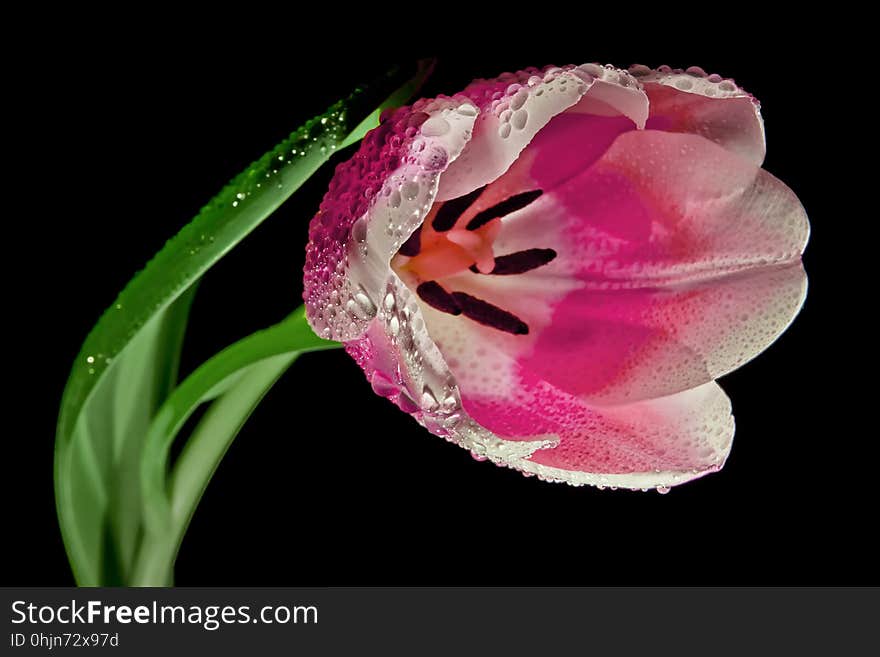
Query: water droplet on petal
359	230
365	303
429	401
409	190
519	99
435	127
520	117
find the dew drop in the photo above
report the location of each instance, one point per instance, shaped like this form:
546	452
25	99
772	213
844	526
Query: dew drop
519	99
409	190
365	303
435	127
591	69
359	230
429	401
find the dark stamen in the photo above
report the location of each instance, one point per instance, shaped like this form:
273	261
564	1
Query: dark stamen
452	209
519	262
489	315
512	204
433	294
413	245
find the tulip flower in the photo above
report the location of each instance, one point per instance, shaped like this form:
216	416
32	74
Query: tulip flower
552	268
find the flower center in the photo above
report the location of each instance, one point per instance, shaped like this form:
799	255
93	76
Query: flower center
457	236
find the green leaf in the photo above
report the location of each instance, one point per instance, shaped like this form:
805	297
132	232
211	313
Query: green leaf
128	362
94	470
235	380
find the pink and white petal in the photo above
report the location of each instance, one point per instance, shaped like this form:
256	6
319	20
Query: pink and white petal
374	203
658	442
403	362
399	357
516	106
614	346
661	207
682	207
677	262
655	443
706	105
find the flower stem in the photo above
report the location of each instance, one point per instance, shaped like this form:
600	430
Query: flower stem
235	380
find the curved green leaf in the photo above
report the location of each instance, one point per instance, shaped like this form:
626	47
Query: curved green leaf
128	362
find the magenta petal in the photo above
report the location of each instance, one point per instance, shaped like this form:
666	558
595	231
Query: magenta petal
569	144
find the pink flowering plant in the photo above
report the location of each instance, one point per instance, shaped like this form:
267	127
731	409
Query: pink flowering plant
549	269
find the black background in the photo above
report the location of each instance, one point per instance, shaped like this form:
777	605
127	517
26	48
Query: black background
134	128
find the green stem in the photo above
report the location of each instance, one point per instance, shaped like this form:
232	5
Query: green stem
237	378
